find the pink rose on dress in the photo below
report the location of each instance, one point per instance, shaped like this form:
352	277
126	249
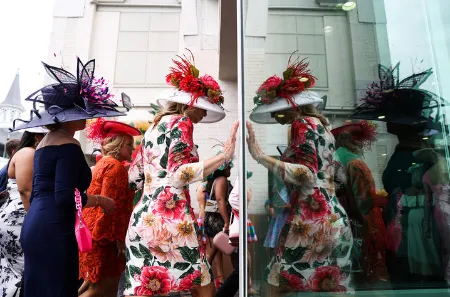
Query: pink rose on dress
168	252
315	206
299	131
183	233
155	280
293	281
190	281
300	233
326	279
167	207
318	251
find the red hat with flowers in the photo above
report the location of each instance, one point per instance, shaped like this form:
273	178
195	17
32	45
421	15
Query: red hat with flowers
100	129
194	90
363	132
278	93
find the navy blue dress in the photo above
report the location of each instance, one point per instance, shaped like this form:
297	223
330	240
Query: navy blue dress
48	233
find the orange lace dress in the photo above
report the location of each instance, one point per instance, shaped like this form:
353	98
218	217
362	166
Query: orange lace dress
110	179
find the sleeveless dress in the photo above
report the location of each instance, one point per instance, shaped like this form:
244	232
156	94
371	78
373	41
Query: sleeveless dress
48	232
162	250
313	252
110	179
213	221
12	214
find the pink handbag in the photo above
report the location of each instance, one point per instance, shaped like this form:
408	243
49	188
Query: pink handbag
234	229
82	232
220	241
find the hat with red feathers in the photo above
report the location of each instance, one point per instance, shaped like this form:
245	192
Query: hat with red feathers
100	129
278	93
194	90
363	132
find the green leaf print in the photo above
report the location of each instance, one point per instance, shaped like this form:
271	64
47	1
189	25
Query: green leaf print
127	278
175	133
157	192
147	262
162	174
344	251
165	264
322	141
161	138
302	266
191	270
181	266
149	144
324	192
127	255
145	199
162	127
293	255
179	147
320	129
138	214
134	270
135	252
339	211
164	159
331	146
190	255
310	135
168	141
145	252
320	175
318	264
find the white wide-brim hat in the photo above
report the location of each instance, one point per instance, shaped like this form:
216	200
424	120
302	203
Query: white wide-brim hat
37	130
262	113
214	112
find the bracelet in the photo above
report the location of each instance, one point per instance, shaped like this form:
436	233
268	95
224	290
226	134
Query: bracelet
258	158
96	202
226	157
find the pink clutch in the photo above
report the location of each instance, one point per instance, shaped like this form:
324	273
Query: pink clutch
82	232
220	241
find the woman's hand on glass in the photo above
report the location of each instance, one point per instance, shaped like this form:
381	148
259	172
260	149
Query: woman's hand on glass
253	145
230	144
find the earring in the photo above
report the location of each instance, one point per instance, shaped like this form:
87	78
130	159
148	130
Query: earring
36	144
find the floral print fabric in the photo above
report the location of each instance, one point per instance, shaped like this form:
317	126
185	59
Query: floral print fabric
162	248
12	214
313	252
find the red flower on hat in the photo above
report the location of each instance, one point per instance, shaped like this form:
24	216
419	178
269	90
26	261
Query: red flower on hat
155	280
296	79
326	279
185	77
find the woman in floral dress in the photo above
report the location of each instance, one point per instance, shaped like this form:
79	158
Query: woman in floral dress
163	250
313	252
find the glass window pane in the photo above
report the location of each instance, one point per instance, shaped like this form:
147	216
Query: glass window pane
348	145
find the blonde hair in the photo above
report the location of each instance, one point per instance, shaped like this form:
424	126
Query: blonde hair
170	109
111	145
311	111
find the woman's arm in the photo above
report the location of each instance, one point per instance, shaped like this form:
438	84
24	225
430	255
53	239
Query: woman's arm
201	198
220	192
23	166
181	171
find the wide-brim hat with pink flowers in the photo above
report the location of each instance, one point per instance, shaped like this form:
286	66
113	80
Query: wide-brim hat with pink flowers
193	90
277	93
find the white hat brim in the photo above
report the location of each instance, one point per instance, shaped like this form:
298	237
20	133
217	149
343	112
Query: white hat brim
214	112
262	113
38	130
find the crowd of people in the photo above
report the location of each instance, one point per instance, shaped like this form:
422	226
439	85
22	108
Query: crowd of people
329	229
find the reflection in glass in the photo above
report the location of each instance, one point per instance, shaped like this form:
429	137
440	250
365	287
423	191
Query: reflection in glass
314	247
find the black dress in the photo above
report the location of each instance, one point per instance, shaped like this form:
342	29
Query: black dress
48	233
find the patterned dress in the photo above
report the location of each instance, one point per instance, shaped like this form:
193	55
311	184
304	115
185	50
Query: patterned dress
109	179
162	248
313	252
12	214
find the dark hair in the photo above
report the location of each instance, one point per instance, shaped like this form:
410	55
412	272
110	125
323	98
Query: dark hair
27	140
11	146
215	174
53	127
